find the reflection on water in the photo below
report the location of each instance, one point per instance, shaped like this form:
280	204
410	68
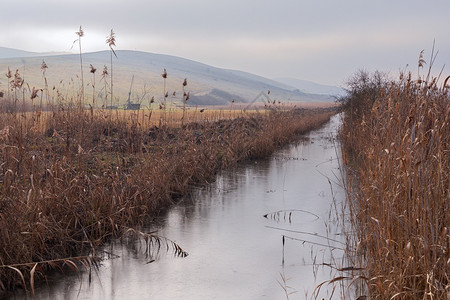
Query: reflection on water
234	251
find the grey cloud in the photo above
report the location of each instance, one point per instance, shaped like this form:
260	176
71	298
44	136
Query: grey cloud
261	36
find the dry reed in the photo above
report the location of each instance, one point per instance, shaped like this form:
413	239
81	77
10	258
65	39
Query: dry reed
396	141
72	180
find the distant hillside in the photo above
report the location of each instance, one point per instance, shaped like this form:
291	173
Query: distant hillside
9	53
15	53
312	87
206	84
218	97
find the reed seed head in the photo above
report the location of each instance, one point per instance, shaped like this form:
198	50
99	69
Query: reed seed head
105	71
111	41
44	66
34	93
421	60
9	73
80	32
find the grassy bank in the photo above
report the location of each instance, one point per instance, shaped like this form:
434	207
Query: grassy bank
396	146
75	179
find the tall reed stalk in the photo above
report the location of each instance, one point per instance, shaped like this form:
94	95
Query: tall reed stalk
185	100
44	68
111	42
165	94
80	34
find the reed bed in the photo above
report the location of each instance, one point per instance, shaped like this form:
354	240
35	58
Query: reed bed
73	179
396	146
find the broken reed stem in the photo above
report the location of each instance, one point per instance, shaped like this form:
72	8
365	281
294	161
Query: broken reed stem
31	264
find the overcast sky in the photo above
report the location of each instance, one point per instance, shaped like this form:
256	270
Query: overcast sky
320	40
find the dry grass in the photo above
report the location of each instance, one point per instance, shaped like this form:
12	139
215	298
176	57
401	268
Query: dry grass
71	179
148	118
396	138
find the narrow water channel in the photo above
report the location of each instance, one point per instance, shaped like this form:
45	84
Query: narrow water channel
234	251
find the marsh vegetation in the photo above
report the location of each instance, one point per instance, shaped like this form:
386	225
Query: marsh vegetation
72	178
396	141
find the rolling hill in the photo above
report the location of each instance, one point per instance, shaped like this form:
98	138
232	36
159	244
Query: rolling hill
312	87
10	53
16	53
206	84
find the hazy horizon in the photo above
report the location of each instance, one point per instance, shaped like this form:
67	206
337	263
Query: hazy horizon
323	41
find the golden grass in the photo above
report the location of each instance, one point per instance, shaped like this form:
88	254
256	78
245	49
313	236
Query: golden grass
396	138
147	118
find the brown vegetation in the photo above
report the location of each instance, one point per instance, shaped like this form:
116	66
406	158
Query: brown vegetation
73	177
396	141
73	180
